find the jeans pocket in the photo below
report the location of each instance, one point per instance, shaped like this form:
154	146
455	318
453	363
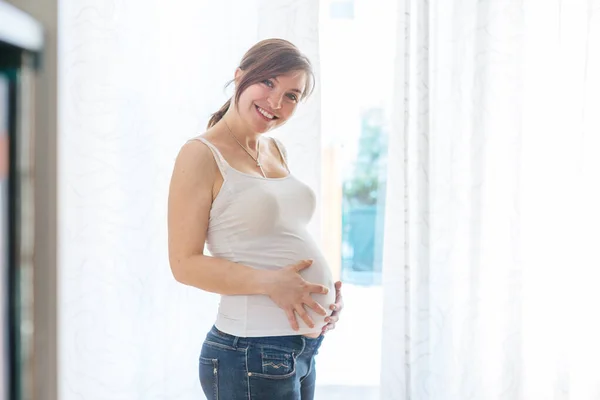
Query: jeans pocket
277	363
209	377
272	363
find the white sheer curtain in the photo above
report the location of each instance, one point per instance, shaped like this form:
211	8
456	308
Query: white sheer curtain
492	211
137	79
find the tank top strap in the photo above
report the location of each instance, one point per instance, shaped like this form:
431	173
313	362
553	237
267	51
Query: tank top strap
219	159
282	152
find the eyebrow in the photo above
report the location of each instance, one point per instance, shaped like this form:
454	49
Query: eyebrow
293	90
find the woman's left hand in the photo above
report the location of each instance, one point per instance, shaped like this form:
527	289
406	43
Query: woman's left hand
337	308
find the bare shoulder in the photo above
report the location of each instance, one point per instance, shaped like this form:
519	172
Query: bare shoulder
194	151
275	141
195	161
277	146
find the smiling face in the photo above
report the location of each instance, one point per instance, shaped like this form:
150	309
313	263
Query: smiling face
270	103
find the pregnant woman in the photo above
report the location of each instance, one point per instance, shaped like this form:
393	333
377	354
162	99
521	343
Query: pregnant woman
231	188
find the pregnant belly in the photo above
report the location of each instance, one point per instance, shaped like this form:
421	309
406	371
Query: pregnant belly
320	274
317	273
258	314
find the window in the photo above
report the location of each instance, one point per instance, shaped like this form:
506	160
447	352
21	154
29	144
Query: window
357	51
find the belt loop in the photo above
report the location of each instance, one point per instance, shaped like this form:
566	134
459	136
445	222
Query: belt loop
235	341
303	345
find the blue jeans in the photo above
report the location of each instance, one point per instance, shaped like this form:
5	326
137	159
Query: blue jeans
258	368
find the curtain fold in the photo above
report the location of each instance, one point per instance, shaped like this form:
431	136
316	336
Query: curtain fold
491	215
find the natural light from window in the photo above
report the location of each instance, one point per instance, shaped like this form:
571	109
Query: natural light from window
357	51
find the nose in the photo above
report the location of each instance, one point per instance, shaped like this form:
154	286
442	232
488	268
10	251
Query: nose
274	101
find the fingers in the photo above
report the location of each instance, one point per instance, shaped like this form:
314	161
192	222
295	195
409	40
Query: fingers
302	265
327	328
338	291
339	301
305	317
337	307
316	307
292	319
320	289
332	319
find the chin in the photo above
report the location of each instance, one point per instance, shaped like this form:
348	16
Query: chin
261	127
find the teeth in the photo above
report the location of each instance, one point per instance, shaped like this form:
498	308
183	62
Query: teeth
266	114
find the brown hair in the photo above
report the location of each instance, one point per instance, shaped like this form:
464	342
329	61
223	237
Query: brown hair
267	59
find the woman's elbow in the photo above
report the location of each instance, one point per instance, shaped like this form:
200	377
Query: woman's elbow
178	269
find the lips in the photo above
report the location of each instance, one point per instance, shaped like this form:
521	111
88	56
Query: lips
265	114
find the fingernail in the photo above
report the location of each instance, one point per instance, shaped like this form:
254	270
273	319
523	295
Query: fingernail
333	307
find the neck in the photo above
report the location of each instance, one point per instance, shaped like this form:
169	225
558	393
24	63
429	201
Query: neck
232	122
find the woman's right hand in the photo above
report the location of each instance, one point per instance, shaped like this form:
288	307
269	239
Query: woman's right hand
291	292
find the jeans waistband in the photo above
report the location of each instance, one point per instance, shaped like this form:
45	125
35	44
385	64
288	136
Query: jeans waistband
293	342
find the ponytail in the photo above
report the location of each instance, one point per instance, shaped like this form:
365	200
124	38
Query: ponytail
216	117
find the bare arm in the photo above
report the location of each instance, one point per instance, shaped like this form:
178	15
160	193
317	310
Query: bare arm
190	200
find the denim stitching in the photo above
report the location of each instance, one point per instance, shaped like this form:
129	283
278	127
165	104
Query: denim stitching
268	347
276	366
309	370
216	378
247	375
222	346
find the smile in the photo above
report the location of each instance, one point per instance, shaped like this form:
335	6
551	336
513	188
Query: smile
265	114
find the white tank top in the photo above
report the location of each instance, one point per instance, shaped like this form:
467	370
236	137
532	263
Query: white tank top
262	223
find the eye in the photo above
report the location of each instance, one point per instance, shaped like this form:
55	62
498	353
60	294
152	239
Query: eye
269	83
292	97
